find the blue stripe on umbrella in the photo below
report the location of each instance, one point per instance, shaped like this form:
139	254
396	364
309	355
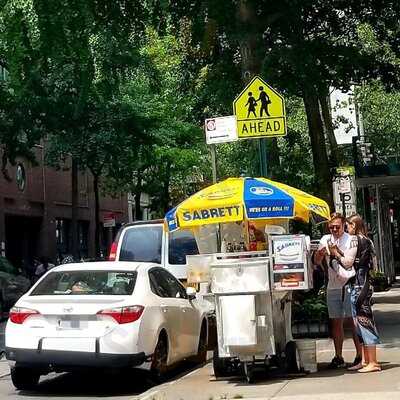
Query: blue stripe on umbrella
172	221
266	201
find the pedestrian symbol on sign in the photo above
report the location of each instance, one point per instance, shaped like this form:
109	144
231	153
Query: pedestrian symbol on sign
265	101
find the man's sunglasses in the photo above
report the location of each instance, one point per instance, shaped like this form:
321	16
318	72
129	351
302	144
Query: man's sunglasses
334	227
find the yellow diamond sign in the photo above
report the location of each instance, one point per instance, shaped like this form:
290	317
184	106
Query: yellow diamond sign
259	111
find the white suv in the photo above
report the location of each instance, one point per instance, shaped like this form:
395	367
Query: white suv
103	314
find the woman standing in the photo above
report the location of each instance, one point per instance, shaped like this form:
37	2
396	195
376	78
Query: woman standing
361	293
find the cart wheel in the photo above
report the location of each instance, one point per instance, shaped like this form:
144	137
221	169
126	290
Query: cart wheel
221	365
249	371
292	357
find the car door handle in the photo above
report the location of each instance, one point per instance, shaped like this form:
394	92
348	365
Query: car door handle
164	308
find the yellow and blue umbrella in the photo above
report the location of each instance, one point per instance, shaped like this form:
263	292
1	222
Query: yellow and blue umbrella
238	199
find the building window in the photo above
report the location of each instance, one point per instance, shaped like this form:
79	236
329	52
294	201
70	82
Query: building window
64	238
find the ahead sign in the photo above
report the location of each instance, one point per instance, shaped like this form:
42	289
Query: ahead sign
260	111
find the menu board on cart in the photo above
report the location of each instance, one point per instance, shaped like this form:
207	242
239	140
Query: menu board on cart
290	266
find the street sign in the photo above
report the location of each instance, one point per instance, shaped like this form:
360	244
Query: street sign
259	111
344	191
221	130
109	220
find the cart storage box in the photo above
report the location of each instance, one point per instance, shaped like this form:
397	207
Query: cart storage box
240	275
239	329
290	263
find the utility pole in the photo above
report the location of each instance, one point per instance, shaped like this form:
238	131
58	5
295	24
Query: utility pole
213	162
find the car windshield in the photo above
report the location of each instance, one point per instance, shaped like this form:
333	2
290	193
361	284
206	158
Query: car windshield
86	283
142	243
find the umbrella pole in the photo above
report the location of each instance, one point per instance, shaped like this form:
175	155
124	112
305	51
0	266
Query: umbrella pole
219	239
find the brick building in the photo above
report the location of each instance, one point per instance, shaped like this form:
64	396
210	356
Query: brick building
35	213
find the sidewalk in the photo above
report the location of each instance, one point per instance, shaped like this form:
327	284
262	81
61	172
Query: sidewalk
324	385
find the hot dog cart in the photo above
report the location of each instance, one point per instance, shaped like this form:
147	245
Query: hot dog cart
248	266
251	293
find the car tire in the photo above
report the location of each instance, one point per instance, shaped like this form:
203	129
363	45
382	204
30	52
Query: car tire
24	378
159	360
201	356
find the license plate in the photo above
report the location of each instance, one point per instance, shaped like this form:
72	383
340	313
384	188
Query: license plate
69	323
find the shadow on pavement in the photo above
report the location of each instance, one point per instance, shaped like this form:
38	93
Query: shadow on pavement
102	384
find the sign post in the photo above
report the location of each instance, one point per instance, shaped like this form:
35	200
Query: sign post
260	113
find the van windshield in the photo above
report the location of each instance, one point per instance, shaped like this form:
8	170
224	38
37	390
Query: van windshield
142	243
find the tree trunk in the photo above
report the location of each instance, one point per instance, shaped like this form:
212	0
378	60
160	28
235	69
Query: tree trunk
74	210
323	180
138	194
96	215
166	195
335	155
250	41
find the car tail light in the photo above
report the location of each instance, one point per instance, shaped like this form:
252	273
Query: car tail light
19	314
113	252
124	315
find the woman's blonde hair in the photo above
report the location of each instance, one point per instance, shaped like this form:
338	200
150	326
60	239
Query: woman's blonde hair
359	224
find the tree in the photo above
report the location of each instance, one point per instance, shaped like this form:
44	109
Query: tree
73	54
380	110
166	163
303	48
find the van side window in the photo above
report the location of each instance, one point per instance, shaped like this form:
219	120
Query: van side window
142	243
181	244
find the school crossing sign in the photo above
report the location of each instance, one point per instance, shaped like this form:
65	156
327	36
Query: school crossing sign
259	111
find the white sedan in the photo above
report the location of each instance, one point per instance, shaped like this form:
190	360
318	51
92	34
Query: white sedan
104	314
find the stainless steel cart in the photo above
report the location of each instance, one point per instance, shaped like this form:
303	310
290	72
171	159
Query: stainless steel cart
253	322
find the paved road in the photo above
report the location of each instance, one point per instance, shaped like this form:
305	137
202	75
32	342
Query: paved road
84	386
115	386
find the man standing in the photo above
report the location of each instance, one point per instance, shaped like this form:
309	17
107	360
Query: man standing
343	247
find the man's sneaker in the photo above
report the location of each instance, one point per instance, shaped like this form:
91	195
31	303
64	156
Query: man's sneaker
337	362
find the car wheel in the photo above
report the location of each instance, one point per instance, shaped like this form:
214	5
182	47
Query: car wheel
201	356
159	359
24	378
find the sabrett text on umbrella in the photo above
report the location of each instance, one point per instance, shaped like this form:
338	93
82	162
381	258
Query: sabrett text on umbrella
217	212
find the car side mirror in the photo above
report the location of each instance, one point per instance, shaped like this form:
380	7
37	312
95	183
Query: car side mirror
191	293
